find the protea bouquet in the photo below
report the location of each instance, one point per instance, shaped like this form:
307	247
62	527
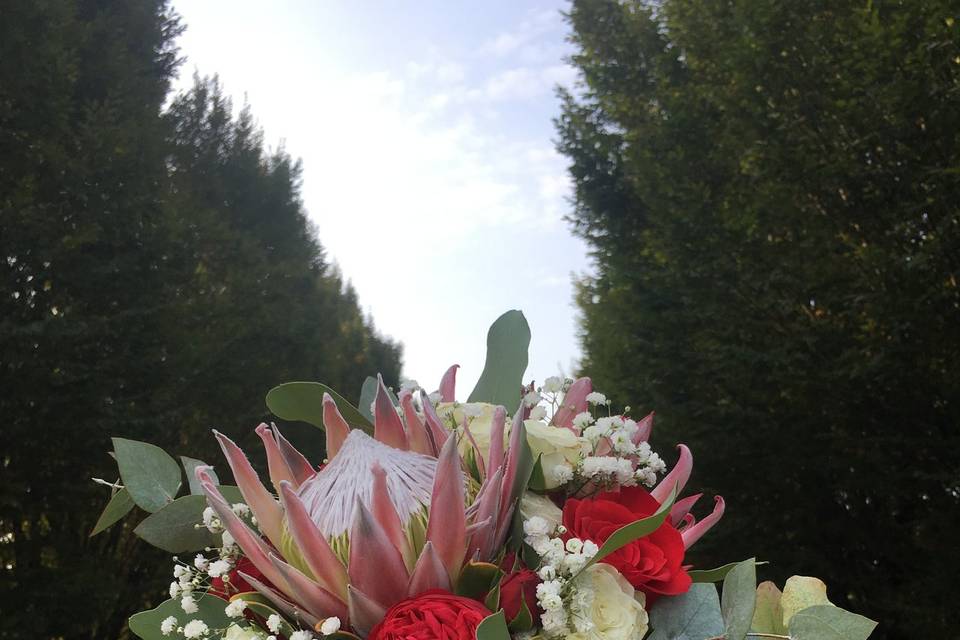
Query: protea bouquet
525	511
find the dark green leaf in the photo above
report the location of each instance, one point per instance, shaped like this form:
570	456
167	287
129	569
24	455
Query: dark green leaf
493	627
189	465
149	474
146	624
826	622
502	378
711	575
537	480
476	579
492	601
119	506
694	615
303	401
523	621
739	599
173	528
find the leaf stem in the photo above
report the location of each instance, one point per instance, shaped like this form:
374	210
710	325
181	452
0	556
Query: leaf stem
753	634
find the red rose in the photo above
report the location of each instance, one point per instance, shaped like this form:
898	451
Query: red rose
236	584
516	587
652	564
432	615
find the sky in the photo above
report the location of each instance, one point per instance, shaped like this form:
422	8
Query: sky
430	173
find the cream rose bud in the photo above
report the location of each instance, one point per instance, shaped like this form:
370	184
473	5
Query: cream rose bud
615	611
479	416
558	446
534	505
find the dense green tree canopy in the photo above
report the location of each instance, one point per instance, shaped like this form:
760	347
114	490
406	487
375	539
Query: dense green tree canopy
770	191
159	276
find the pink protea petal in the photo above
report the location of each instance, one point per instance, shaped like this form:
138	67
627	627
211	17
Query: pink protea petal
429	573
290	609
517	431
276	464
251	544
334	425
387	426
448	384
376	566
488	508
497	425
446	528
265	508
298	464
437	431
681	508
365	612
677	477
316	551
315	599
644	429
693	533
386	515
417	435
574	402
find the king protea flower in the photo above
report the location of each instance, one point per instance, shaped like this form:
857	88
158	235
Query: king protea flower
388	516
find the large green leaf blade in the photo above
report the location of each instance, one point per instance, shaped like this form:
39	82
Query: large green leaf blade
150	475
502	378
694	615
174	527
739	599
827	622
303	401
119	506
210	609
494	627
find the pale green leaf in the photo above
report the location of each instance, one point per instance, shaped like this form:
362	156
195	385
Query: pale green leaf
146	624
368	393
174	527
119	506
150	475
801	592
739	599
826	622
190	465
768	616
694	615
502	378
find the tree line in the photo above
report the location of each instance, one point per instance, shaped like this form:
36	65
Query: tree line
770	192
159	275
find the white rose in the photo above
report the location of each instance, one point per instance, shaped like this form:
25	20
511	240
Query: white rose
533	505
615	611
558	446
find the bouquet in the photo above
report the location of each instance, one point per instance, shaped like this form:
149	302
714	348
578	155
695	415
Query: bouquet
525	512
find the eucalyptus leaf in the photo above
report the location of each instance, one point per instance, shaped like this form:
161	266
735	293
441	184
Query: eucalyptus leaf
711	575
303	401
189	466
210	609
368	393
800	592
739	599
768	615
502	378
694	615
493	627
174	527
826	622
119	506
150	475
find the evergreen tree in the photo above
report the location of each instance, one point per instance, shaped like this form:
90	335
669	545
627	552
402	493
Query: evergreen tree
769	190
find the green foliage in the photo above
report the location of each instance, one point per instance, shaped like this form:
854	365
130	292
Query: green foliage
150	476
739	599
304	401
120	505
769	192
210	609
501	380
826	622
174	528
493	627
157	274
694	615
634	531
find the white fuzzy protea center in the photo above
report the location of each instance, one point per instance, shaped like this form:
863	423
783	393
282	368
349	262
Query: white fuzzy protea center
330	497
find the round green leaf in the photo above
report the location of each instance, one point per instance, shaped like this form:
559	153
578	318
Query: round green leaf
146	624
694	615
174	527
826	622
148	473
